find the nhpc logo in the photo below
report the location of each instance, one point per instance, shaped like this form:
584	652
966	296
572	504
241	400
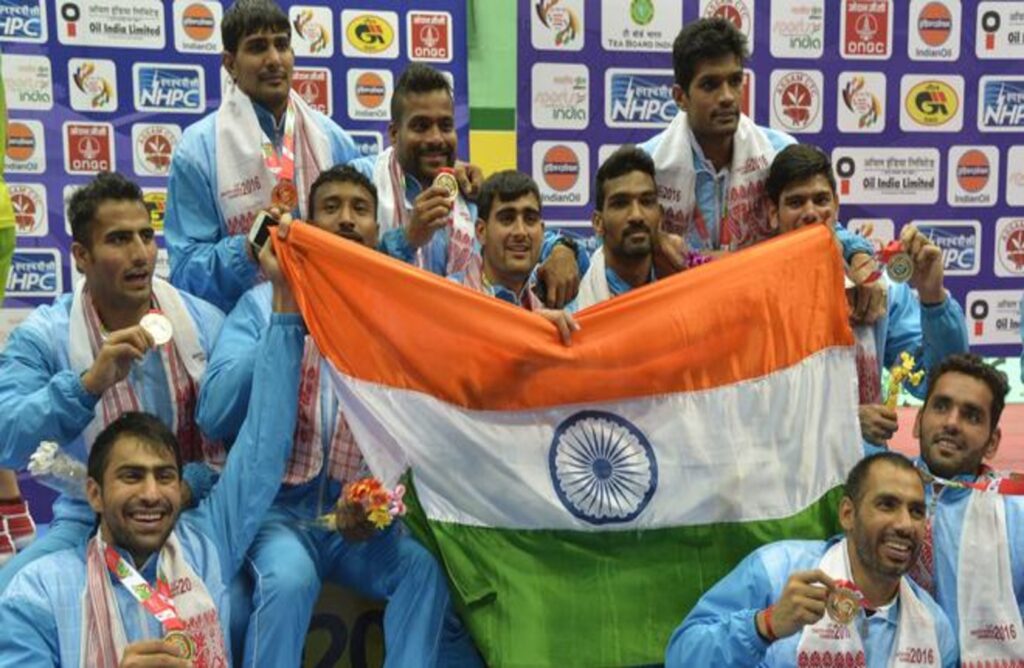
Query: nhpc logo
23	21
35	273
163	87
639	98
1001	103
960	242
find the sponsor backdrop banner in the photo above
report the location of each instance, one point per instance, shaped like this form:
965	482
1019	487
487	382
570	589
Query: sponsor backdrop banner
920	103
111	84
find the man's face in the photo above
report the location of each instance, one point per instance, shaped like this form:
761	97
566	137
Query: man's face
140	499
804	203
953	427
346	209
262	67
511	237
631	217
118	264
424	137
887	525
712	101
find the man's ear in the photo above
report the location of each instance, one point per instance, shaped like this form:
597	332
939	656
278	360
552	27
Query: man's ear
597	220
847	511
227	59
680	96
773	214
94	495
993	443
393	133
481	227
80	254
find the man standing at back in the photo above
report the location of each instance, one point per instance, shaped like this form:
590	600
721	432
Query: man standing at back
264	146
712	160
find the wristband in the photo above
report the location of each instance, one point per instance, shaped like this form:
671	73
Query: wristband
768	624
568	242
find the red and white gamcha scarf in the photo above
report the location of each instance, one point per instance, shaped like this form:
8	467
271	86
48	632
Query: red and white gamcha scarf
184	362
103	637
344	461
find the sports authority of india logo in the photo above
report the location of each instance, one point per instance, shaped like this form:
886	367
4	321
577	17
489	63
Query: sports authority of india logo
311	31
972	171
602	467
641	11
796	100
89	82
934	24
562	20
370	33
561	168
932	102
861	101
1011	246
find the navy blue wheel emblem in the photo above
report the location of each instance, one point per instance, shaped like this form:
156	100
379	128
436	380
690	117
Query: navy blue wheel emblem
602	467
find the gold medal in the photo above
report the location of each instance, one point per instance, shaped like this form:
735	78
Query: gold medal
284	195
182	642
842	604
446	179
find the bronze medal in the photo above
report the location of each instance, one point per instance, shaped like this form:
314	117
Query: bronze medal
842	605
182	642
284	195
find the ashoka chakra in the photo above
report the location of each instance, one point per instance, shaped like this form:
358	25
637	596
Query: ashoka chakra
602	467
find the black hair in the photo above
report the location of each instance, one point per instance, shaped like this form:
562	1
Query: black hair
342	174
975	367
795	164
417	78
855	481
145	427
627	158
505	186
87	200
705	39
250	17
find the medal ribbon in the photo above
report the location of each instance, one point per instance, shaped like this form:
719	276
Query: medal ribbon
282	165
158	602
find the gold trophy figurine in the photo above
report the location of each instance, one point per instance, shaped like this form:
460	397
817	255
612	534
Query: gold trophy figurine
903	371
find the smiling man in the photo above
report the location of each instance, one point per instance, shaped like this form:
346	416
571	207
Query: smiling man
771	610
973	560
150	587
423	223
73	367
263	144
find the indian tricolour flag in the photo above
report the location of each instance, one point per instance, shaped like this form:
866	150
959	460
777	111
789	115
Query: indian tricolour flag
582	498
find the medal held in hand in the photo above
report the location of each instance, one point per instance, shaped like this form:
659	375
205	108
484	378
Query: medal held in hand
898	265
284	195
844	602
446	179
158	326
183	643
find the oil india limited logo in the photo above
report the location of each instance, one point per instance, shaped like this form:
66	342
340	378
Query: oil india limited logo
641	11
932	103
98	88
311	31
562	21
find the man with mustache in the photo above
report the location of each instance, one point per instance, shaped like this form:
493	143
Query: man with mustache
290	557
150	587
712	159
263	141
973	554
772	609
73	367
422	222
627	219
922	318
510	232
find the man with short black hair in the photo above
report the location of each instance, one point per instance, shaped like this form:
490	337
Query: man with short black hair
73	367
712	159
510	233
794	602
290	557
426	224
151	571
264	145
972	559
922	318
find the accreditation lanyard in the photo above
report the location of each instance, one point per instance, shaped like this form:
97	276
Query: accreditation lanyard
157	601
